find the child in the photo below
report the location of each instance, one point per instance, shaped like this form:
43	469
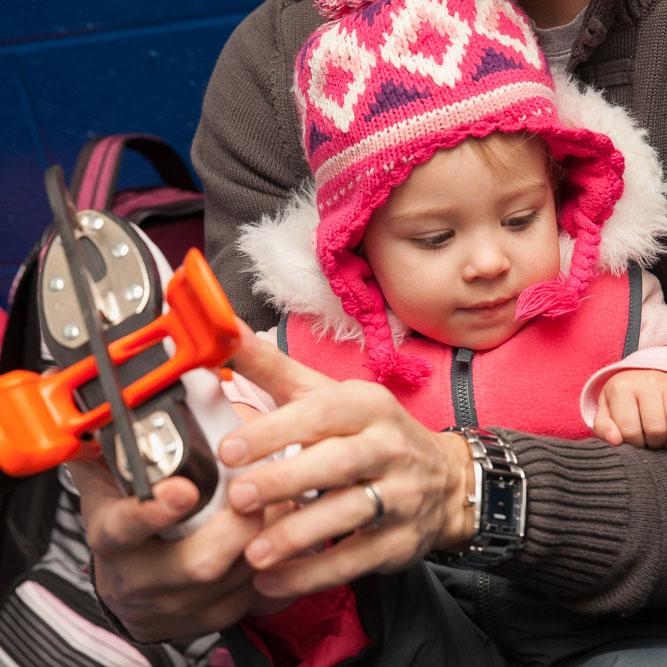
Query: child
464	232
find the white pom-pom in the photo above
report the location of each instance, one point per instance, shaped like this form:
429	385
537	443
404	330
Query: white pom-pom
335	9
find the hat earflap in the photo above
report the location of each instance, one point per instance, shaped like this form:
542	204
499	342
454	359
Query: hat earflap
362	298
597	180
557	297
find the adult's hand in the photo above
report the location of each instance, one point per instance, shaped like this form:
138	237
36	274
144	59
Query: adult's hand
162	589
353	433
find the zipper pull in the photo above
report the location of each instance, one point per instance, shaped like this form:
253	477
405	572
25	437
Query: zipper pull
463	355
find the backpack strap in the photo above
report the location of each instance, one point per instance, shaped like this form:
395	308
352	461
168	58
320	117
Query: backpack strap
96	171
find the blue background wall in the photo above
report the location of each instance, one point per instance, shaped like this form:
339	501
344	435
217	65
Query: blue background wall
72	70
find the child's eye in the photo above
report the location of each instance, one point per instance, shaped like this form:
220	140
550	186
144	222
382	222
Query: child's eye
521	222
433	242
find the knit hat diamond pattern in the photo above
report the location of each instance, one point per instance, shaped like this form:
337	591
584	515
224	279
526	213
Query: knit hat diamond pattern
386	84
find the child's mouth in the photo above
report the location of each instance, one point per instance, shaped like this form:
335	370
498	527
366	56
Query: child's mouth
489	305
489	309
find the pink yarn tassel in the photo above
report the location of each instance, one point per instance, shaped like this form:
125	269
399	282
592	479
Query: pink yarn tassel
548	299
398	370
335	9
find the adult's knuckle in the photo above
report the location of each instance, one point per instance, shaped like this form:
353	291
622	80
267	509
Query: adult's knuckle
106	539
372	397
273	479
286	541
319	412
403	443
346	569
397	447
201	568
343	467
416	497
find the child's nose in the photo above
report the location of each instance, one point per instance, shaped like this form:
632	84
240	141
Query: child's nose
485	260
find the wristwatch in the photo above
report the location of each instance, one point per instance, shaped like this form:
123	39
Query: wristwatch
499	500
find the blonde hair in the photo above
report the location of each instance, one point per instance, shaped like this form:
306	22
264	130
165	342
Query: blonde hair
493	149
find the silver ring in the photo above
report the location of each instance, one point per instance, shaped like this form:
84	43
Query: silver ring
374	495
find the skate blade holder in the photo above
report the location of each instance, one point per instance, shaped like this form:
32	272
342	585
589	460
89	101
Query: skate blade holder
119	280
40	423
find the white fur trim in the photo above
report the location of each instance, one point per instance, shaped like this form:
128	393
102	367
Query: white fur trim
640	215
288	274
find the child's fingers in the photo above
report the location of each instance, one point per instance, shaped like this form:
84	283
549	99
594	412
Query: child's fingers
624	412
604	426
653	414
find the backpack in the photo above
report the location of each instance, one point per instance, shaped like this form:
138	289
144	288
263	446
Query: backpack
172	215
3	324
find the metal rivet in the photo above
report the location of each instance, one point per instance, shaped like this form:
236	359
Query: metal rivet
154	450
56	284
71	331
158	421
134	293
93	223
120	250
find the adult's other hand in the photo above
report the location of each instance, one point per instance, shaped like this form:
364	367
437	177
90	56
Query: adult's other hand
161	589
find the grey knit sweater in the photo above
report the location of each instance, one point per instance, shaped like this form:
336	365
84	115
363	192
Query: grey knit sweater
597	516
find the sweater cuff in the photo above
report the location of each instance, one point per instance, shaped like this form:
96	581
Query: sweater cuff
585	524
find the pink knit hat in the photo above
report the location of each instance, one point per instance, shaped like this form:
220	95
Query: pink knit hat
386	84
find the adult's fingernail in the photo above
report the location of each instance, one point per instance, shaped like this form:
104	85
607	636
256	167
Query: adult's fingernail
233	450
258	550
175	502
244	496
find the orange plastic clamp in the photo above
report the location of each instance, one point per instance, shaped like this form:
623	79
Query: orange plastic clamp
40	423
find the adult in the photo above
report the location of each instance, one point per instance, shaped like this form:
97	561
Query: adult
249	155
247	151
605	562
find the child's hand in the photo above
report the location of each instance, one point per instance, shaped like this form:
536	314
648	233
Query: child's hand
633	409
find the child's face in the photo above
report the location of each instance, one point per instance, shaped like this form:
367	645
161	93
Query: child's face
455	245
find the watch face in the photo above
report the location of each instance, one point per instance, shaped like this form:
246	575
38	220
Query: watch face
498	512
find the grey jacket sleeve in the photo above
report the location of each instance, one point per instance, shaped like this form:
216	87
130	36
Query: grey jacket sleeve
596	535
246	149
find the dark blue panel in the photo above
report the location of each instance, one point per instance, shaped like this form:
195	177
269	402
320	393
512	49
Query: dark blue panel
28	21
135	82
21	203
56	94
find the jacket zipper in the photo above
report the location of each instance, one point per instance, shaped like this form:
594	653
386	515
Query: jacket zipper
463	396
